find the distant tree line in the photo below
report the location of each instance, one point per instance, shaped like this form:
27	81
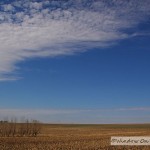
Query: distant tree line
12	128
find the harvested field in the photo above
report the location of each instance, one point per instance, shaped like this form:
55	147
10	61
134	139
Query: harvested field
76	137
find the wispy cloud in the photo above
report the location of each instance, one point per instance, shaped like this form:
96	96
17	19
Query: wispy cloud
116	115
134	109
50	28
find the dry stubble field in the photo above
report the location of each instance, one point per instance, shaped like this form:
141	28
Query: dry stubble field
76	137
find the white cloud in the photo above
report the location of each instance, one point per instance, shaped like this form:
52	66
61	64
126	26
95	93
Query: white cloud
8	7
36	5
51	28
108	115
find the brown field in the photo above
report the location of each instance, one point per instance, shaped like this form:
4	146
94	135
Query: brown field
76	137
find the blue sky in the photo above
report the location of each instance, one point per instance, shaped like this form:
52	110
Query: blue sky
82	61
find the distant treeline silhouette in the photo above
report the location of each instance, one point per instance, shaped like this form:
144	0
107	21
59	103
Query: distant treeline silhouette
12	128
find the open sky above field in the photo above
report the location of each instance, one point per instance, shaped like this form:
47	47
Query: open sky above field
79	61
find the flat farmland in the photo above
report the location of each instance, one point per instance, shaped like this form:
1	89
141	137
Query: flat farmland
77	137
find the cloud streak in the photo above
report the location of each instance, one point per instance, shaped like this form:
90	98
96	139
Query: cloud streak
116	115
50	28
